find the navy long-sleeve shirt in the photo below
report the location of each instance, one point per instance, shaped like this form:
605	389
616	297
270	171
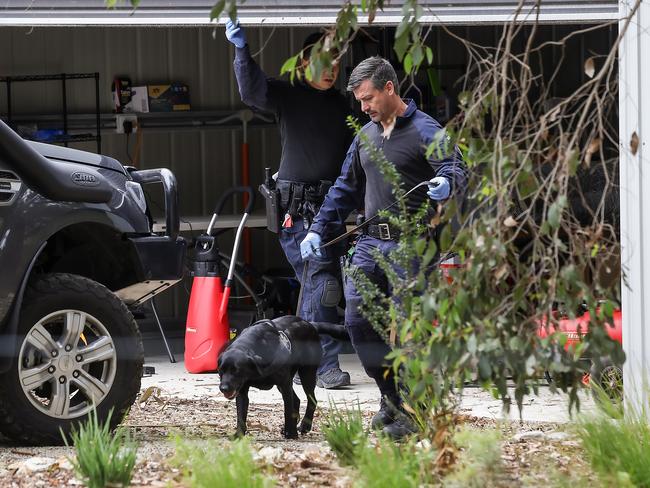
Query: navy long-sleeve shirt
362	185
313	129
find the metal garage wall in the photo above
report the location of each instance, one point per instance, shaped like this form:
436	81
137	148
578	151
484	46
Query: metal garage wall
205	161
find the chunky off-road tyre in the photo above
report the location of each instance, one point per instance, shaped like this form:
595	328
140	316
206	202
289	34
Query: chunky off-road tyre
77	348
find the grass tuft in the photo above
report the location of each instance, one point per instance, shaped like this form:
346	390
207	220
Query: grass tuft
617	445
480	462
219	465
390	465
103	458
344	432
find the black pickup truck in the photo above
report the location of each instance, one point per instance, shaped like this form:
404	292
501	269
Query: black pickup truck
77	254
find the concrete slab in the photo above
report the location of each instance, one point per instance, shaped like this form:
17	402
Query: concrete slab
174	380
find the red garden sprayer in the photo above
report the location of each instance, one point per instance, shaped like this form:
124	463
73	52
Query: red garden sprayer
207	329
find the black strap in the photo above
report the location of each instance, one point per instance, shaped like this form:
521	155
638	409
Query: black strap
281	354
367	221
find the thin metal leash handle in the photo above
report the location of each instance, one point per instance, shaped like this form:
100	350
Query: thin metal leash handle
367	221
302	287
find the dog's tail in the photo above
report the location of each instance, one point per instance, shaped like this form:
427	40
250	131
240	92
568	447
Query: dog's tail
337	331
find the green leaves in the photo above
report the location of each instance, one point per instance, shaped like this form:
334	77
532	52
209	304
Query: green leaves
289	66
409	45
408	63
113	3
227	7
555	211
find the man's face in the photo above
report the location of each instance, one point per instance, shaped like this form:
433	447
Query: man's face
327	77
374	102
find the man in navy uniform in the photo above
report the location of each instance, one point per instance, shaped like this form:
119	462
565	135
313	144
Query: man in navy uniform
314	136
402	133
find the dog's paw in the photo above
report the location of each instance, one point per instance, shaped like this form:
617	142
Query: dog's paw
289	434
305	426
238	434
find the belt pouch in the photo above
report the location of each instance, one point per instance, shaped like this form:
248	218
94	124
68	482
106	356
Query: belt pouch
272	200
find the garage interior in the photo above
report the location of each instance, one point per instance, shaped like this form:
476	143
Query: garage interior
203	146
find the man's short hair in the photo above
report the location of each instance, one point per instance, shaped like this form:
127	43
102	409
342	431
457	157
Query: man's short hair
376	69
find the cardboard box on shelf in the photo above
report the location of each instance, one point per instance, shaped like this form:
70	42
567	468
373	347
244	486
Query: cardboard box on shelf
139	100
131	99
172	97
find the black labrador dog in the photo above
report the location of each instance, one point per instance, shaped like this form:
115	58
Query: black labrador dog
269	353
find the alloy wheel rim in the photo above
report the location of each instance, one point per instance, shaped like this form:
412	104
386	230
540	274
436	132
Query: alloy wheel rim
67	364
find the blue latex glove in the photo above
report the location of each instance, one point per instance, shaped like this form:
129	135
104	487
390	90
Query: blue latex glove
235	33
439	188
310	246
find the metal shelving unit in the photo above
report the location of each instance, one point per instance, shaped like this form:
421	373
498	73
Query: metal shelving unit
63	117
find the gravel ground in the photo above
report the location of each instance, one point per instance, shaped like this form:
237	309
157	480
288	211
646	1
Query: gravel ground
533	453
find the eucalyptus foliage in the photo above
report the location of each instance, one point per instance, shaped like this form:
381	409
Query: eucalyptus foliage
537	242
409	44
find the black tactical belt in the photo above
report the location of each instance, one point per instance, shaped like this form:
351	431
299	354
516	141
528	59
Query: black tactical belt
295	191
383	232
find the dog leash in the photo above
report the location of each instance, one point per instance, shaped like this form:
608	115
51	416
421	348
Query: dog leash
302	287
367	221
349	233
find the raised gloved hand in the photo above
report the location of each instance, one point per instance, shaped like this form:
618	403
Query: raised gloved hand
310	246
439	188
235	33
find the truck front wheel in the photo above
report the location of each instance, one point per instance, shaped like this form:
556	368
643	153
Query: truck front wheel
77	348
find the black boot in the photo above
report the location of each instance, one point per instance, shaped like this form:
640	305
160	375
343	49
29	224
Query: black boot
385	416
402	427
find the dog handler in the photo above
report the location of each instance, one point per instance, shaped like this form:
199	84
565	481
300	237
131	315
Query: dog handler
314	136
361	185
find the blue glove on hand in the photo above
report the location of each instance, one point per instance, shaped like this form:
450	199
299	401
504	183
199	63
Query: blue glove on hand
439	188
310	246
235	33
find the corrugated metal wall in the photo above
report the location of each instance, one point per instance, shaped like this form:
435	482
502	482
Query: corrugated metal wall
207	161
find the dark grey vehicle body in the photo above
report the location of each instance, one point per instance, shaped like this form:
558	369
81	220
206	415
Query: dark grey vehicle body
70	212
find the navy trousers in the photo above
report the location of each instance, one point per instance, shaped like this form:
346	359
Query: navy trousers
321	290
368	344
